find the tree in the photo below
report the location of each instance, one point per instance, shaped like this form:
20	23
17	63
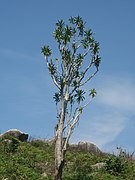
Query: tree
70	74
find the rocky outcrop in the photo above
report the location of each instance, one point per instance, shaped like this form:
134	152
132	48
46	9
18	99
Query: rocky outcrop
15	133
81	146
47	141
85	147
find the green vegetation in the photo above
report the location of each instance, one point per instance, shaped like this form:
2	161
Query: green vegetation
35	161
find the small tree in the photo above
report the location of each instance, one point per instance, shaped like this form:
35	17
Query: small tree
70	73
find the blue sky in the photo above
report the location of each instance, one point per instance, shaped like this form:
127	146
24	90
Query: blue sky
26	89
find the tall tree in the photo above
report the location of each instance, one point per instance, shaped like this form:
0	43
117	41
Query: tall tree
70	74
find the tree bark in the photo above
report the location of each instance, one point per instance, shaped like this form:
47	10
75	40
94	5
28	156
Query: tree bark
59	153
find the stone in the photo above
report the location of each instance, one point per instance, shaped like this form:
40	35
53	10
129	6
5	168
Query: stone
98	166
88	147
48	141
85	147
16	133
8	140
44	175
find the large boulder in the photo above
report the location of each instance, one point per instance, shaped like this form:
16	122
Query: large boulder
88	147
15	133
47	141
85	147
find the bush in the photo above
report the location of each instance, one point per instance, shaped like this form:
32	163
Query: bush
30	160
116	165
9	144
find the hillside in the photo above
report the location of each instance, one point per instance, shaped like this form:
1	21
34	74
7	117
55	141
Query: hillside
34	160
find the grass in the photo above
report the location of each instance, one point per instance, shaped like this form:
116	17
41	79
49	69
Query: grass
35	161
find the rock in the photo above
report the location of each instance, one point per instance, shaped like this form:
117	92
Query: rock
48	141
44	175
85	147
88	147
15	133
73	147
8	140
98	166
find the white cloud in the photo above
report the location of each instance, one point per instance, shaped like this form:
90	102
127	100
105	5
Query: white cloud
14	54
101	128
107	127
113	109
118	93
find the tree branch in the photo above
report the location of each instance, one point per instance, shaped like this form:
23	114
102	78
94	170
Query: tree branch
57	67
79	81
89	78
70	132
52	76
73	122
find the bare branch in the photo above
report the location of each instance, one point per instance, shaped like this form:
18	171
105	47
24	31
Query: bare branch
79	81
70	120
89	78
70	132
52	76
88	50
79	45
67	139
57	67
74	120
87	103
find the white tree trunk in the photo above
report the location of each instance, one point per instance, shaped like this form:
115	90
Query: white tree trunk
59	153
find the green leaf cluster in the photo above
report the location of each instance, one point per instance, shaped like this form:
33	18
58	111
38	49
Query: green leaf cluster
93	93
79	95
46	51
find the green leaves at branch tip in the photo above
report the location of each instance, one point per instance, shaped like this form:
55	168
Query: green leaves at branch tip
56	97
93	93
97	61
79	95
51	68
80	57
67	35
81	109
60	24
72	20
63	33
58	32
78	21
88	39
95	48
88	34
67	56
71	99
74	83
46	51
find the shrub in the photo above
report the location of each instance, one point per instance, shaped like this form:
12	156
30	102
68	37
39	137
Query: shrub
9	144
116	165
